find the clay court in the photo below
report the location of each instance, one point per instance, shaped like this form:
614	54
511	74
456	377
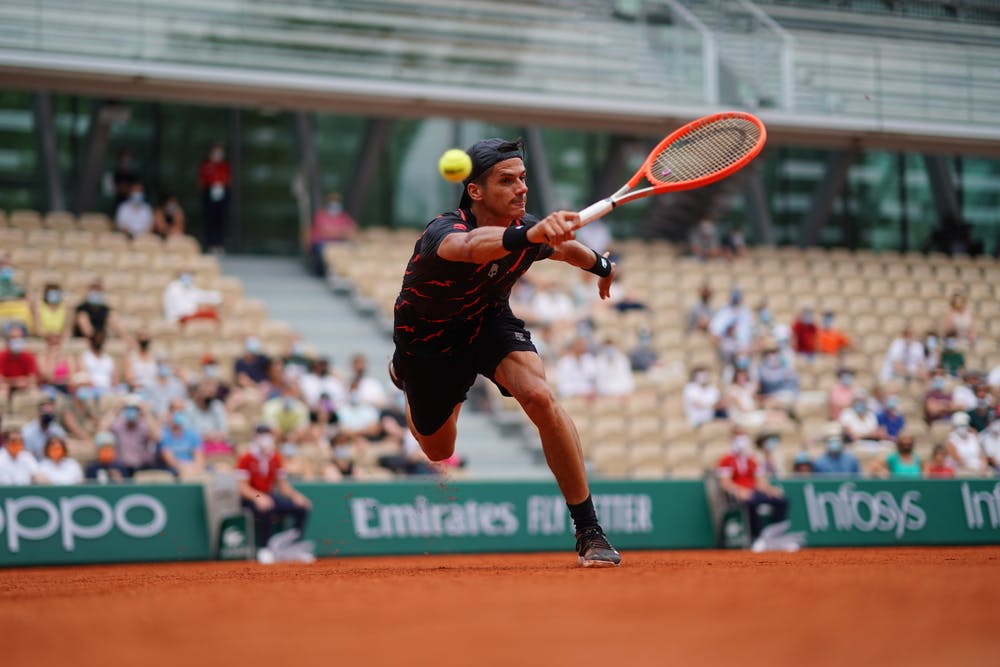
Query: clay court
819	606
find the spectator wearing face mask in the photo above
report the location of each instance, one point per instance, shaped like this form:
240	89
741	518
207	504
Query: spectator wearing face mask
902	463
576	370
180	444
56	366
964	449
952	357
701	399
701	313
905	360
766	452
214	176
81	414
932	350
140	363
168	217
368	389
830	339
165	389
330	224
982	413
14	306
745	482
18	366
804	333
251	368
207	416
56	466
288	419
963	396
45	425
989	439
136	433
184	302
322	381
778	383
891	420
937	399
265	490
95	317
643	357
841	393
859	422
613	371
50	314
105	467
18	466
835	460
939	467
134	216
733	314
99	366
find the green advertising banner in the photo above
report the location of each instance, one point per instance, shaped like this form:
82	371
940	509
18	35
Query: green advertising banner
45	525
895	512
429	517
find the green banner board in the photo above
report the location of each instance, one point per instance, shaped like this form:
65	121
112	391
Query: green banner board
428	517
44	525
895	512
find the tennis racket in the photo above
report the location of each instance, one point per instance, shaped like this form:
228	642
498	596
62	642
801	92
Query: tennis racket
702	152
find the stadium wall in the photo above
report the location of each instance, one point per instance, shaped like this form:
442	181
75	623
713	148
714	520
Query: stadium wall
109	524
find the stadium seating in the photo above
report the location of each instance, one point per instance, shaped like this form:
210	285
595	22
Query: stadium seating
646	433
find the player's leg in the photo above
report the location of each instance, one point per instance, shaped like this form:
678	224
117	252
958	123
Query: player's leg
522	374
440	444
435	390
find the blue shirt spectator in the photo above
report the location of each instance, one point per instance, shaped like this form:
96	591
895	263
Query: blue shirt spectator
891	419
835	461
180	440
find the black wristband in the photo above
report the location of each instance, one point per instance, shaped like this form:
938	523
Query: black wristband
601	267
516	238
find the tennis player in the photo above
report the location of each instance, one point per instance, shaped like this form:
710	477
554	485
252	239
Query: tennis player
453	322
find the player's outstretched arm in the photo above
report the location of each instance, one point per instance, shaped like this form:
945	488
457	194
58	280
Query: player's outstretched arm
580	256
479	246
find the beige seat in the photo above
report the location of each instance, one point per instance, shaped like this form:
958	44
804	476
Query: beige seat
95	222
60	220
25	219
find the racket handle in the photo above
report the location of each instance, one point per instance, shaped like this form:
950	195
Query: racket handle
595	211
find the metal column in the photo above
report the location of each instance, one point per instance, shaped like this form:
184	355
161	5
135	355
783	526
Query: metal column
48	153
372	148
942	187
87	181
539	171
825	194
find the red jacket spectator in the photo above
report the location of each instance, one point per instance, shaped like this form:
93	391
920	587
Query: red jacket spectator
16	363
804	333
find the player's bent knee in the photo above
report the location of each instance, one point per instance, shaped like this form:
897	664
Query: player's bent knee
537	398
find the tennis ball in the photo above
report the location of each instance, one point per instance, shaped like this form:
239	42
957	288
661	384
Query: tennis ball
455	165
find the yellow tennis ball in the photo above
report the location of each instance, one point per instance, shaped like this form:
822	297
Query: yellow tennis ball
455	165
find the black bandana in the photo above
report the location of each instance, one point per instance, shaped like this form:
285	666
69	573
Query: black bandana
485	154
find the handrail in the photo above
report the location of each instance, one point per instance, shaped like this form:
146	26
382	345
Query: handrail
710	56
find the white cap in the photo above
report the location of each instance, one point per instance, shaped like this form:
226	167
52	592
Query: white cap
960	419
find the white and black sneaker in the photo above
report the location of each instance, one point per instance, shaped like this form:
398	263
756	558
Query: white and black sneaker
595	550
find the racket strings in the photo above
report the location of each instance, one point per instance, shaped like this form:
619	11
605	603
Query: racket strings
705	150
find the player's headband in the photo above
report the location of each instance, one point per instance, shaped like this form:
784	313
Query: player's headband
484	155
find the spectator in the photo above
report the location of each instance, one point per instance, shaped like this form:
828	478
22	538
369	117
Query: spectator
140	363
18	466
836	461
56	366
57	467
778	383
704	240
733	243
613	371
766	332
50	315
982	413
959	319
211	376
902	463
937	400
213	180
184	302
296	362
964	450
552	306
44	426
700	315
643	357
134	215
207	417
166	389
358	423
288	419
80	414
952	359
331	224
94	317
168	217
804	332
264	489
841	393
860	423
891	420
136	435
701	399
741	403
744	482
939	467
733	314
802	464
18	366
180	445
767	445
932	351
993	379
830	339
105	467
989	439
14	307
124	177
251	369
368	389
320	381
963	396
99	366
408	458
576	370
905	359
729	347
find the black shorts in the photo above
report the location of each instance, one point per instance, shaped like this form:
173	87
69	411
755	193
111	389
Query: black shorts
435	385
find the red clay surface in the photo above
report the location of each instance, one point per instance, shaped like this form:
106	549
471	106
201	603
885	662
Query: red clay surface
817	607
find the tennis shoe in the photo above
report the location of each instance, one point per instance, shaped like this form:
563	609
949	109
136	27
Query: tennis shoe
595	550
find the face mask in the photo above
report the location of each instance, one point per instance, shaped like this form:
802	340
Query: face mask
772	360
216	155
859	406
131	414
84	393
163	371
846	379
742	363
771	444
701	378
6	273
807	318
95	297
14	447
57	453
827	322
834	445
937	383
136	197
16	345
253	345
264	443
765	316
106	455
297	349
179	419
53	296
931	342
741	444
950	343
211	371
961	430
289	404
186	279
334	208
892	403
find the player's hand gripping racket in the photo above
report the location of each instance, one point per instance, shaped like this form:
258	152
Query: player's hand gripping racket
702	152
